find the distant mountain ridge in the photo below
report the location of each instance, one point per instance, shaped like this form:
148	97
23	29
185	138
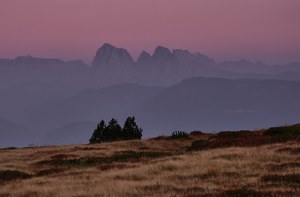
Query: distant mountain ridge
36	61
49	95
165	67
210	104
222	104
114	65
109	55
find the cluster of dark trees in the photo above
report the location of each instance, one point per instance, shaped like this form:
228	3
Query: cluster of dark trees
113	131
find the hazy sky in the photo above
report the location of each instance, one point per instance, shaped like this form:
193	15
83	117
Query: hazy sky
265	30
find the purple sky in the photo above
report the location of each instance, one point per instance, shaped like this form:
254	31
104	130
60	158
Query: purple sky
265	30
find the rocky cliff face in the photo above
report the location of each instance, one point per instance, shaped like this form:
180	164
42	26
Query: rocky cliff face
109	55
144	58
164	67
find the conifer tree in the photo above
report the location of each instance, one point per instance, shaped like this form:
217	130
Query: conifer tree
131	129
98	134
113	130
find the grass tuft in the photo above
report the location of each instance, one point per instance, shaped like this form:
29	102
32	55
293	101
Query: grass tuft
244	193
284	132
50	171
291	150
126	156
10	175
282	179
234	134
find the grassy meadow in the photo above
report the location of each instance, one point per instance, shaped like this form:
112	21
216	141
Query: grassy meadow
224	164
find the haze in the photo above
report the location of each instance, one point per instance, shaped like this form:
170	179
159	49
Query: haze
264	30
175	65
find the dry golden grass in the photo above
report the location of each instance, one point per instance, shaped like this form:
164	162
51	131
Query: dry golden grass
170	170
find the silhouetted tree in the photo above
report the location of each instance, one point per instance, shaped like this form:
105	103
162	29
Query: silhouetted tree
113	131
98	134
131	129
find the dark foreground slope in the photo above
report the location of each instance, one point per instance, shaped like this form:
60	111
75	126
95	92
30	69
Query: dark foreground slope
259	163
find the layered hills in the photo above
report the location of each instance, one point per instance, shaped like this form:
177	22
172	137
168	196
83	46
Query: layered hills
166	90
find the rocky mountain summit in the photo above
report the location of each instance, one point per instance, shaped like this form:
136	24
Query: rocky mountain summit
163	67
109	55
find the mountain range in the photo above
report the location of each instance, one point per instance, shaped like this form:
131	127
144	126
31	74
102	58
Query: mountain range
166	91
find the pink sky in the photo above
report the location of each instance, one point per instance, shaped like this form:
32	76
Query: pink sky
265	30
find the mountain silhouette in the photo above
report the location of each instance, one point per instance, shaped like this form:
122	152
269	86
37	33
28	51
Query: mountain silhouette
214	104
169	89
109	55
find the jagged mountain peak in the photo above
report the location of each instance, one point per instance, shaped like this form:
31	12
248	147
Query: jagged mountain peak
30	60
108	55
162	53
108	45
181	52
145	54
144	58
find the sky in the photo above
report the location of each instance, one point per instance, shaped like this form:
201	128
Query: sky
257	30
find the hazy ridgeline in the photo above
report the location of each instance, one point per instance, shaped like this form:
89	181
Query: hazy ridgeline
49	101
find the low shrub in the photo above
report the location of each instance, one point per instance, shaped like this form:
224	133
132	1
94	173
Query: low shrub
197	133
284	166
8	148
50	172
291	150
251	140
105	167
9	175
288	178
179	134
240	192
199	145
284	132
235	134
127	156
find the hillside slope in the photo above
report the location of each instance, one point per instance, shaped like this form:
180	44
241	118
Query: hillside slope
161	166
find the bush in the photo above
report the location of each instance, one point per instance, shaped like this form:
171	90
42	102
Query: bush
199	145
234	134
9	175
179	134
287	178
83	162
284	132
241	192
